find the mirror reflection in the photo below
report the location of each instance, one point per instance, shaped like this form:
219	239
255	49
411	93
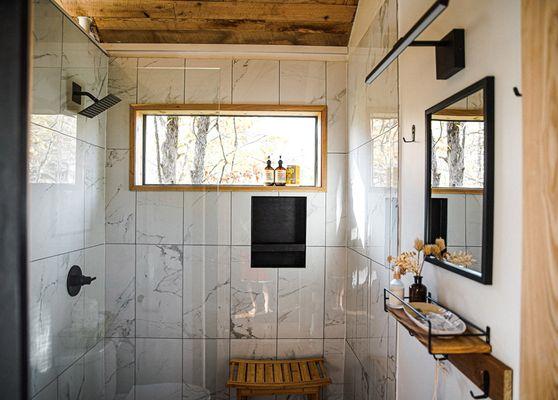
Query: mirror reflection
457	145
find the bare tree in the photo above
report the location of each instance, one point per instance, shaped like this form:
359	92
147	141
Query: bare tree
169	150
455	153
201	130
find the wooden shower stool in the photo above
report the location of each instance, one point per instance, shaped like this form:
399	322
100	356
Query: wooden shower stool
269	377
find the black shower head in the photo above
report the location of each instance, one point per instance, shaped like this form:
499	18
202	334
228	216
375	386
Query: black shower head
98	106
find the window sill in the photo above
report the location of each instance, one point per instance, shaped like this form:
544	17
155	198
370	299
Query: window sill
224	188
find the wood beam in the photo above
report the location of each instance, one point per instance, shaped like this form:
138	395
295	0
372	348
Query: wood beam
225	37
294	12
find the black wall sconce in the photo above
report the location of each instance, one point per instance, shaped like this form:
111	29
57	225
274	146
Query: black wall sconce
450	50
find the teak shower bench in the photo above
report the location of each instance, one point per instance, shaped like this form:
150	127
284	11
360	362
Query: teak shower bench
270	377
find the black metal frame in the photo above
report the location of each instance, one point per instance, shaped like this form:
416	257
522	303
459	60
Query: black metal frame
15	21
470	326
487	85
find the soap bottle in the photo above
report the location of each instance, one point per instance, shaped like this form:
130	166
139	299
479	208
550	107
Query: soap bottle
280	174
397	288
269	173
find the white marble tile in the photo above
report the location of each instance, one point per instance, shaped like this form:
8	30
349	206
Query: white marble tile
45	104
336	204
159	217
208	81
335	299
48	393
334	355
456	219
158	369
120	202
94	295
476	252
47	34
68	318
315	216
473	220
302	82
120	290
336	97
350	295
122	82
94	373
378	318
94	195
253	298
207	218
301	297
242	216
254	349
299	348
360	173
71	382
206	302
56	169
78	50
43	292
255	81
119	368
159	291
160	80
378	373
93	80
205	369
357	118
378	200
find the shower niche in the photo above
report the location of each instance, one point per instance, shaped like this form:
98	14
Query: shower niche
278	232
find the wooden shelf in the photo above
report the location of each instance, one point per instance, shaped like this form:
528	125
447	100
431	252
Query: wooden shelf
469	354
444	345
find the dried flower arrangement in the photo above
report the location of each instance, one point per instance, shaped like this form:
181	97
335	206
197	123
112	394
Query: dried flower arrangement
413	261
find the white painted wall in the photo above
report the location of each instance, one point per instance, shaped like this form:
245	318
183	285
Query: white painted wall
492	37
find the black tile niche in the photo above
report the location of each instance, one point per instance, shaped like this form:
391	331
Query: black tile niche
278	232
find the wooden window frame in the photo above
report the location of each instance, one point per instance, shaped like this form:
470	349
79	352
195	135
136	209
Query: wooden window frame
137	111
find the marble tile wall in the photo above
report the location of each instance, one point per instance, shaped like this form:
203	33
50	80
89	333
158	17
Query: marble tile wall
67	213
371	213
181	297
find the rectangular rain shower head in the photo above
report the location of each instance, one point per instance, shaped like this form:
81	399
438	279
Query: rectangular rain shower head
97	107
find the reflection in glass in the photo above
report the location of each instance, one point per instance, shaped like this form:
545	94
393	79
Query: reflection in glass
457	174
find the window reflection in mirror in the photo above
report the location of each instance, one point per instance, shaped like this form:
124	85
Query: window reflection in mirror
457	175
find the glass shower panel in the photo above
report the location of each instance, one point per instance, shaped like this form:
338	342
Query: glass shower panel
66	210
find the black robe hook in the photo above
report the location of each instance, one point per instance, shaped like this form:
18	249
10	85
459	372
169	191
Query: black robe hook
412	136
485	386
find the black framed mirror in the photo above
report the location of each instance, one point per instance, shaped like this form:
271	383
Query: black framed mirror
460	180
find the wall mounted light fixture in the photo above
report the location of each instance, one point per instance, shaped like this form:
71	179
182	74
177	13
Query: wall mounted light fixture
450	51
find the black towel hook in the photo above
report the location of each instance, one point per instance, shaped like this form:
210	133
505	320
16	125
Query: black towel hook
516	91
485	386
412	136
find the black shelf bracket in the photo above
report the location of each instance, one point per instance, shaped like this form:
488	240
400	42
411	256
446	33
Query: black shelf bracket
485	387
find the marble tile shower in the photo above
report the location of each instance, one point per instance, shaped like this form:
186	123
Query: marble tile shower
373	137
66	212
181	297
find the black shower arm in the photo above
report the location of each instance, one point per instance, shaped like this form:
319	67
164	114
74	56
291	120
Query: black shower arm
88	95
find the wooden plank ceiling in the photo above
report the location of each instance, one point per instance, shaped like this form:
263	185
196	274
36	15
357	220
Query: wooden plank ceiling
292	22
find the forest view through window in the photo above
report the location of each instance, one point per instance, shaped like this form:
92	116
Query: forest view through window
228	148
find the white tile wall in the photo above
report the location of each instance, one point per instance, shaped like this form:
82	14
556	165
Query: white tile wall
223	308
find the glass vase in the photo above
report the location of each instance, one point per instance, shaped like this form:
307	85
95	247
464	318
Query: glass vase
417	291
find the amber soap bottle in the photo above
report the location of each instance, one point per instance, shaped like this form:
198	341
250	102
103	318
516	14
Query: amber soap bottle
280	174
269	173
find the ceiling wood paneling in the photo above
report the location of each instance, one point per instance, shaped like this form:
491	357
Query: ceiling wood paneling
298	22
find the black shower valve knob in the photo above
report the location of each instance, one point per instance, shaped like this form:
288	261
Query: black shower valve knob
76	280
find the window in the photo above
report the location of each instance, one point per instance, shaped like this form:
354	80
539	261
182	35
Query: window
193	147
